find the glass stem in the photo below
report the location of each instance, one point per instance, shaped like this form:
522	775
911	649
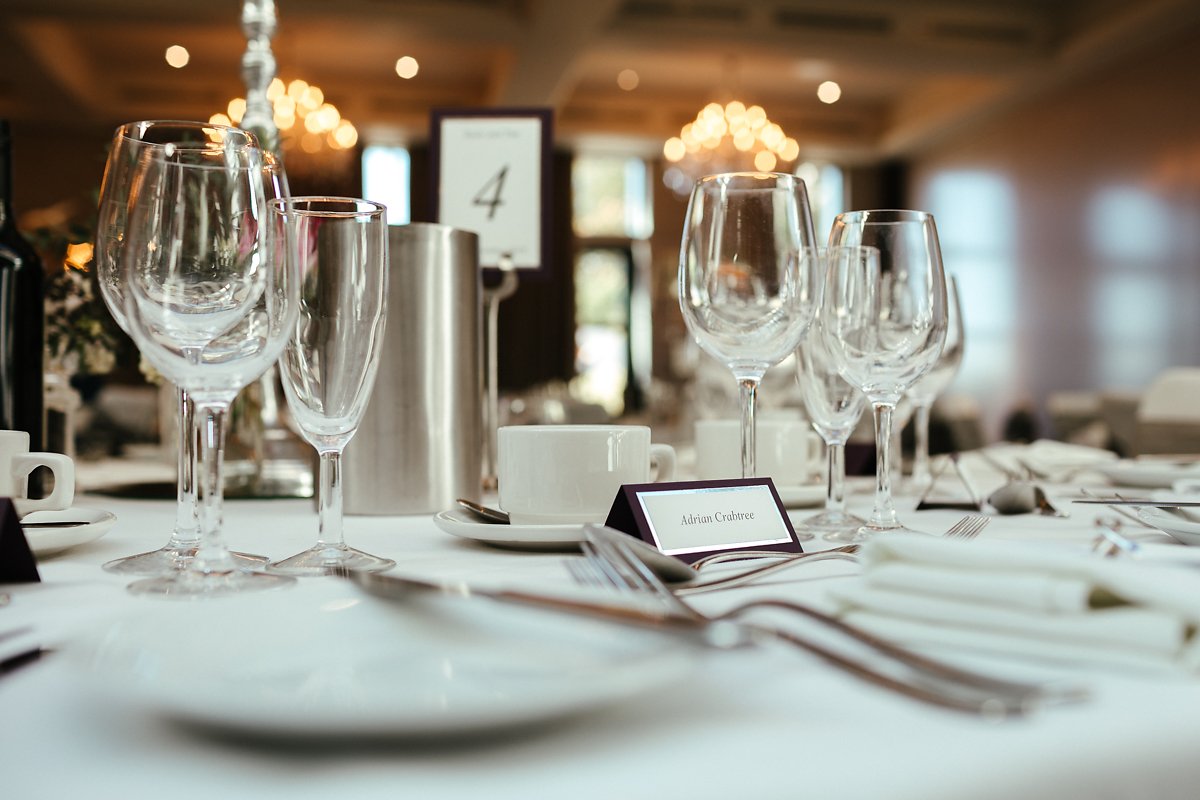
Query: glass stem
329	532
884	514
187	527
921	474
835	485
213	556
749	393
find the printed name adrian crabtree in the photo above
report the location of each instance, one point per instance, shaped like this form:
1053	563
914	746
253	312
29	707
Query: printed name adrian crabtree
718	516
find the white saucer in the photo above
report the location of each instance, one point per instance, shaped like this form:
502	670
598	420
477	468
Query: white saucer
325	661
1148	474
524	537
49	540
801	496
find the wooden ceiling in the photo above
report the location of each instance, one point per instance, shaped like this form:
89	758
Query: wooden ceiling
911	72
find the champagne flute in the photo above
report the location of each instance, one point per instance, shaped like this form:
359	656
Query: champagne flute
209	298
884	319
834	406
749	280
129	143
922	393
339	246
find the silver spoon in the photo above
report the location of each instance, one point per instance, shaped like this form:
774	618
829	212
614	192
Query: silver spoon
486	513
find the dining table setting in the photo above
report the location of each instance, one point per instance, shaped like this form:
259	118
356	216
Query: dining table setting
629	611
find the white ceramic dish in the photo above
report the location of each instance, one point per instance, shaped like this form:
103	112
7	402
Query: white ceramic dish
525	537
327	661
1149	474
49	540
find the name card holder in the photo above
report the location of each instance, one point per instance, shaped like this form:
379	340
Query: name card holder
17	564
694	519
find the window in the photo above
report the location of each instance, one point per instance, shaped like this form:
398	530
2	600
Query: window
386	179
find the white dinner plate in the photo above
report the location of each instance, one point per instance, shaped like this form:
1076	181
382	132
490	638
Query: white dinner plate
801	496
1148	474
48	540
525	537
327	661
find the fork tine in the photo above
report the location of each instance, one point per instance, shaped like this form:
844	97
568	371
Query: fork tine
968	527
609	548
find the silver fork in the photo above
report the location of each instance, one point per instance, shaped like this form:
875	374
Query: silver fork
968	527
614	564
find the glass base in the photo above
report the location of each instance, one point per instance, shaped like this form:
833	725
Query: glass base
829	523
168	560
322	558
868	532
187	584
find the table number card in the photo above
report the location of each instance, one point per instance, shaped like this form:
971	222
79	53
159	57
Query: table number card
492	176
693	519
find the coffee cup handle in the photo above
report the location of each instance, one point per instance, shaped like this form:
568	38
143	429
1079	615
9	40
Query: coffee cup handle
63	469
662	456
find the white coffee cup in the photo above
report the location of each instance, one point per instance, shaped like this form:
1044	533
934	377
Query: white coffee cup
16	462
552	474
787	451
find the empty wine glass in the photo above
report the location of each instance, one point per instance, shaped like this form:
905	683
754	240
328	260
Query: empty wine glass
834	406
129	143
749	281
339	246
928	388
884	320
209	299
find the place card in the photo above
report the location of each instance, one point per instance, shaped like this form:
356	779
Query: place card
17	564
693	519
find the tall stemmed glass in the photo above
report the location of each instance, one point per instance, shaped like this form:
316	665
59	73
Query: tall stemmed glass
834	406
130	142
209	298
749	284
922	393
884	319
332	353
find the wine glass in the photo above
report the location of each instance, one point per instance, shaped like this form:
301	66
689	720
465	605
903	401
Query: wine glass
209	299
339	246
884	319
749	281
129	143
926	389
834	406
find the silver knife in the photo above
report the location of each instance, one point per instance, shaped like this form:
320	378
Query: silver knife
395	587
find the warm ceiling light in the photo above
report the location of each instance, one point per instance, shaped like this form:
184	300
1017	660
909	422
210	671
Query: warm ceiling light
628	79
407	67
302	116
725	138
829	92
177	56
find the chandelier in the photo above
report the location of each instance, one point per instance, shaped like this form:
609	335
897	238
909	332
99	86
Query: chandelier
725	138
305	121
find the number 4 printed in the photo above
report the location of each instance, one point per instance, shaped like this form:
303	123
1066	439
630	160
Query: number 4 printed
489	194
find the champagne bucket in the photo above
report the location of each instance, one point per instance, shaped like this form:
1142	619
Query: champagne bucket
420	444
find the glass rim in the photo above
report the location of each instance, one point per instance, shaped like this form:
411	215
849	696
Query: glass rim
350	207
125	132
883	216
728	177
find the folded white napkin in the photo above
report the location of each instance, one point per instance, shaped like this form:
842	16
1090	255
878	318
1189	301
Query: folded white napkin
1048	456
1018	598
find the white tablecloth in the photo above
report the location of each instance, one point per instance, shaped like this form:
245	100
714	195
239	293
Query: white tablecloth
760	723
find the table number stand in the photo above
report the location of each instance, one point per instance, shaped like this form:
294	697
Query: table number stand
492	297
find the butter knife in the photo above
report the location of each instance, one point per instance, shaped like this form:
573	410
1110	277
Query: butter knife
1154	503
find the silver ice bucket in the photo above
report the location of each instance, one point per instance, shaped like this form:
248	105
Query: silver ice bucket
420	444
